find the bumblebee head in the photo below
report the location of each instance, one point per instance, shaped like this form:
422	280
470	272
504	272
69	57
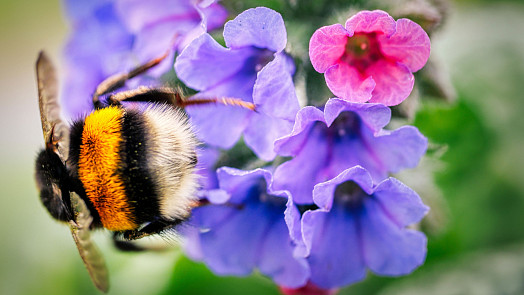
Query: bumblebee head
52	182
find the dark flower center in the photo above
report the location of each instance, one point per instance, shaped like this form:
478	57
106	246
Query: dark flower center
258	59
263	58
362	50
258	194
349	194
347	124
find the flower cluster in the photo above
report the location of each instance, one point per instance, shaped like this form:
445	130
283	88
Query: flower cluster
328	214
321	209
113	36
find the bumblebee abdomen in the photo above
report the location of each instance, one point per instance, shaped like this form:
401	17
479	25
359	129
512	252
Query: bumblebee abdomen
99	168
136	166
172	158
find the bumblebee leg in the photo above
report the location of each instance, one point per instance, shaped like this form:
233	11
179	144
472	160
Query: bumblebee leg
126	246
135	246
116	81
174	97
152	228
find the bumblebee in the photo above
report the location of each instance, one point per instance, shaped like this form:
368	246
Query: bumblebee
130	170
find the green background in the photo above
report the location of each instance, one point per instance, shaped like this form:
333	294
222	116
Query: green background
475	231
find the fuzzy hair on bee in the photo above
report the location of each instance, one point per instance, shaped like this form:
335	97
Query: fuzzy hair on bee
143	159
128	169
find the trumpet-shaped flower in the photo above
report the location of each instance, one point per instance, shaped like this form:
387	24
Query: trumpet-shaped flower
372	58
359	226
345	134
254	68
244	229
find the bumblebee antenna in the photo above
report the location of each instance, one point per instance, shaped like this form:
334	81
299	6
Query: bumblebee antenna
174	97
116	81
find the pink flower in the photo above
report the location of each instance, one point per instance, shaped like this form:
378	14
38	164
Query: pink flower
372	59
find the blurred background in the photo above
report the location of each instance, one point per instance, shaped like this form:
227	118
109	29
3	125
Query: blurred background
476	235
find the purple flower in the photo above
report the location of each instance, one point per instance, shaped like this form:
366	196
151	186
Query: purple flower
360	226
206	169
113	36
372	58
254	68
244	229
97	48
156	24
346	134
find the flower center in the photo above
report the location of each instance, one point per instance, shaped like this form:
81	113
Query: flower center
347	124
358	45
264	57
349	194
258	194
362	50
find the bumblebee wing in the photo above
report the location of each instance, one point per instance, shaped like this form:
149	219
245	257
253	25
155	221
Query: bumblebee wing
53	128
92	258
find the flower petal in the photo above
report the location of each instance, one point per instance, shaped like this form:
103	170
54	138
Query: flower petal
213	14
394	82
233	121
81	10
274	91
401	148
79	84
237	181
276	258
371	21
335	253
152	42
380	153
324	192
207	157
138	14
300	174
293	222
204	56
399	202
261	133
292	144
389	250
327	45
347	83
191	241
375	116
410	45
259	27
230	245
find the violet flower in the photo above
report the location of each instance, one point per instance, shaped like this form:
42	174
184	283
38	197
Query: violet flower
113	36
98	47
372	58
253	68
206	169
244	229
160	24
345	134
360	226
